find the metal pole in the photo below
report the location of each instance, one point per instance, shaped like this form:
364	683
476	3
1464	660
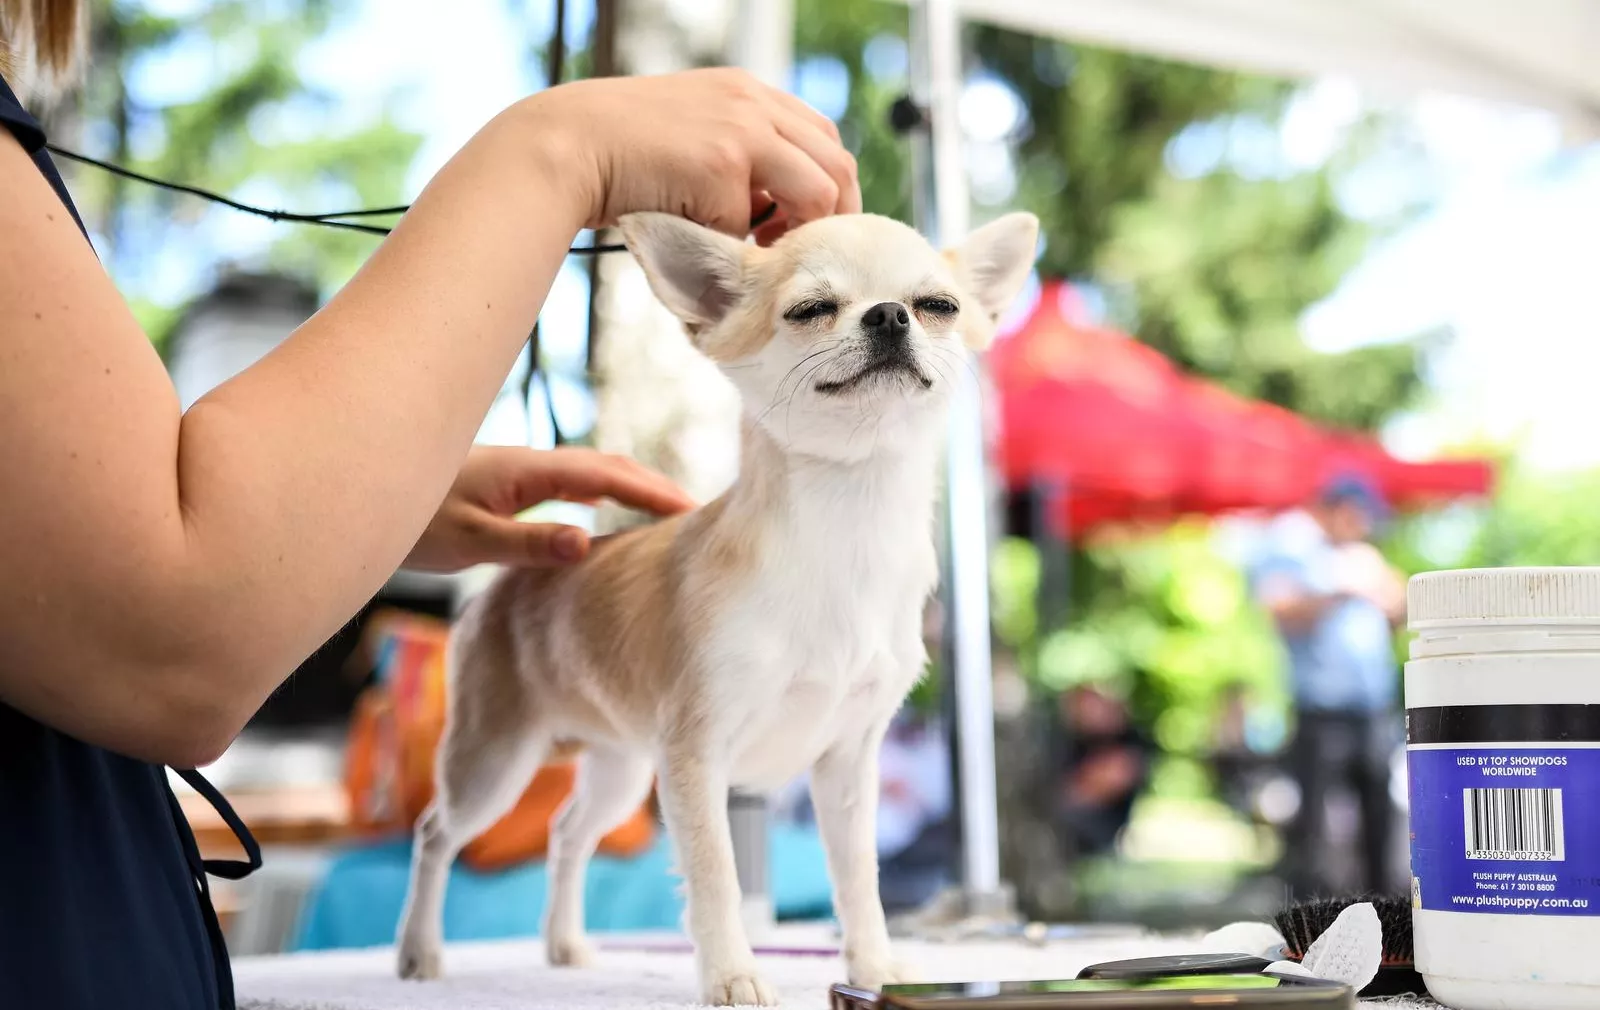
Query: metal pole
762	42
942	213
763	39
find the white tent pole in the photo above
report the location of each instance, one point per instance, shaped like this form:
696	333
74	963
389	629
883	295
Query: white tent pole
761	41
942	210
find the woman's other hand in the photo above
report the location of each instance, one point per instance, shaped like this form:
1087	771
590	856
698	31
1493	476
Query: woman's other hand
716	146
477	523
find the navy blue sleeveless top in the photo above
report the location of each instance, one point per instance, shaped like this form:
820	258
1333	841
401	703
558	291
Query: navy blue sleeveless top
103	895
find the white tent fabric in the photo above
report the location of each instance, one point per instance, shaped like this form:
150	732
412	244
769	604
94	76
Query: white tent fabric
1534	52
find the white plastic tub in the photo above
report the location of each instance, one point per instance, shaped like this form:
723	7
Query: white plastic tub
1503	758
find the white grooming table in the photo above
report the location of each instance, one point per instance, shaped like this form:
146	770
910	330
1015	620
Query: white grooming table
511	975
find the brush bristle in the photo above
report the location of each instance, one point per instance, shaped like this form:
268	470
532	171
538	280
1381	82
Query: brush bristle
1301	925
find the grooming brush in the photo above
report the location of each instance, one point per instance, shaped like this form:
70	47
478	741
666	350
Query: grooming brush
1397	975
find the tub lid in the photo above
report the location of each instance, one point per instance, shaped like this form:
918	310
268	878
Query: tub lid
1509	595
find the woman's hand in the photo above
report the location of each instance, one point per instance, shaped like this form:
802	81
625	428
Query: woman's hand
477	523
716	146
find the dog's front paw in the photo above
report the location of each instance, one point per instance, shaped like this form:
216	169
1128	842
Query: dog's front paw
419	959
569	951
737	987
873	973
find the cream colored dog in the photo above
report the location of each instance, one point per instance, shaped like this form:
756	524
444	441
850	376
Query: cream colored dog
774	630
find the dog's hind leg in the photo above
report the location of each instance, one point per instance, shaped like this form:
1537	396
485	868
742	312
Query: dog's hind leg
611	785
491	748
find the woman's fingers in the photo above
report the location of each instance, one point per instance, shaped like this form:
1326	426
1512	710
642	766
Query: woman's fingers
799	108
763	162
780	146
816	135
698	144
583	475
506	541
800	185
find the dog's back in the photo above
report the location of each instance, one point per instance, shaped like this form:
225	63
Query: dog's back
584	649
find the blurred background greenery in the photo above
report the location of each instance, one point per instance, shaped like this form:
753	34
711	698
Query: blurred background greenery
1165	200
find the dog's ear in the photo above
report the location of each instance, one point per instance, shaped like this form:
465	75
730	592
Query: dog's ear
993	264
696	272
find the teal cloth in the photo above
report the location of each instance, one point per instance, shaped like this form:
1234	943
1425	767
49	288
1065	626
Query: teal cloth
358	902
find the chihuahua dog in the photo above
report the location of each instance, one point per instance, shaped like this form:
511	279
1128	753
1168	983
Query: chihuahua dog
776	629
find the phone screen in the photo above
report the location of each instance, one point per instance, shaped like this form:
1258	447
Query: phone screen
978	990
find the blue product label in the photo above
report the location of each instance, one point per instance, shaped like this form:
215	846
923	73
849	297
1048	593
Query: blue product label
1505	826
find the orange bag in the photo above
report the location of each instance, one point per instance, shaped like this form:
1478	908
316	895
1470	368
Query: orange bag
395	731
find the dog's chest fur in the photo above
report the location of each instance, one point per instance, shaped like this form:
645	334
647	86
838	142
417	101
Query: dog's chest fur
824	638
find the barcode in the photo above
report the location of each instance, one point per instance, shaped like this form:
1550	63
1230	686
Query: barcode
1510	824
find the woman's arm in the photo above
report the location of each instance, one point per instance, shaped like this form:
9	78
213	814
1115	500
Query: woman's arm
160	573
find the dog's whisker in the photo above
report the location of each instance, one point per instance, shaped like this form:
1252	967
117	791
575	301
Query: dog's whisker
778	392
961	359
943	374
789	415
820	352
788	401
778	398
865	416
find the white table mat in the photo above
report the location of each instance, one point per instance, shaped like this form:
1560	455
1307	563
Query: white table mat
512	975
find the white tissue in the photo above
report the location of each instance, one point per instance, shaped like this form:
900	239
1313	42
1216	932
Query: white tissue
1256	938
1351	949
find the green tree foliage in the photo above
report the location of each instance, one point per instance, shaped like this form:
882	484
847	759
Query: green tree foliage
255	129
843	31
1169	614
1536	519
1213	268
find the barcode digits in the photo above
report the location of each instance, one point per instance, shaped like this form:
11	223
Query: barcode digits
1514	824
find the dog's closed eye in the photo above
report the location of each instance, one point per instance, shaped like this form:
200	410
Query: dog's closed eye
812	310
937	305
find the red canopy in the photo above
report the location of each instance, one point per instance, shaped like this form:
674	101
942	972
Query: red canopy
1123	435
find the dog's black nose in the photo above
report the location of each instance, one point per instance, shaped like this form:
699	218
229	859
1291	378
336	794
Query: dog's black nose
887	324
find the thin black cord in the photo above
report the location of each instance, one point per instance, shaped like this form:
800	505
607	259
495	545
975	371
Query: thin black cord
326	220
373	212
329	219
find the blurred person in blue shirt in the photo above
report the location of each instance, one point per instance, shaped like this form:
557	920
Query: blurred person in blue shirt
1336	603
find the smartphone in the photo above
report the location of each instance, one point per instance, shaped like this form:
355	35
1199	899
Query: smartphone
1253	991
